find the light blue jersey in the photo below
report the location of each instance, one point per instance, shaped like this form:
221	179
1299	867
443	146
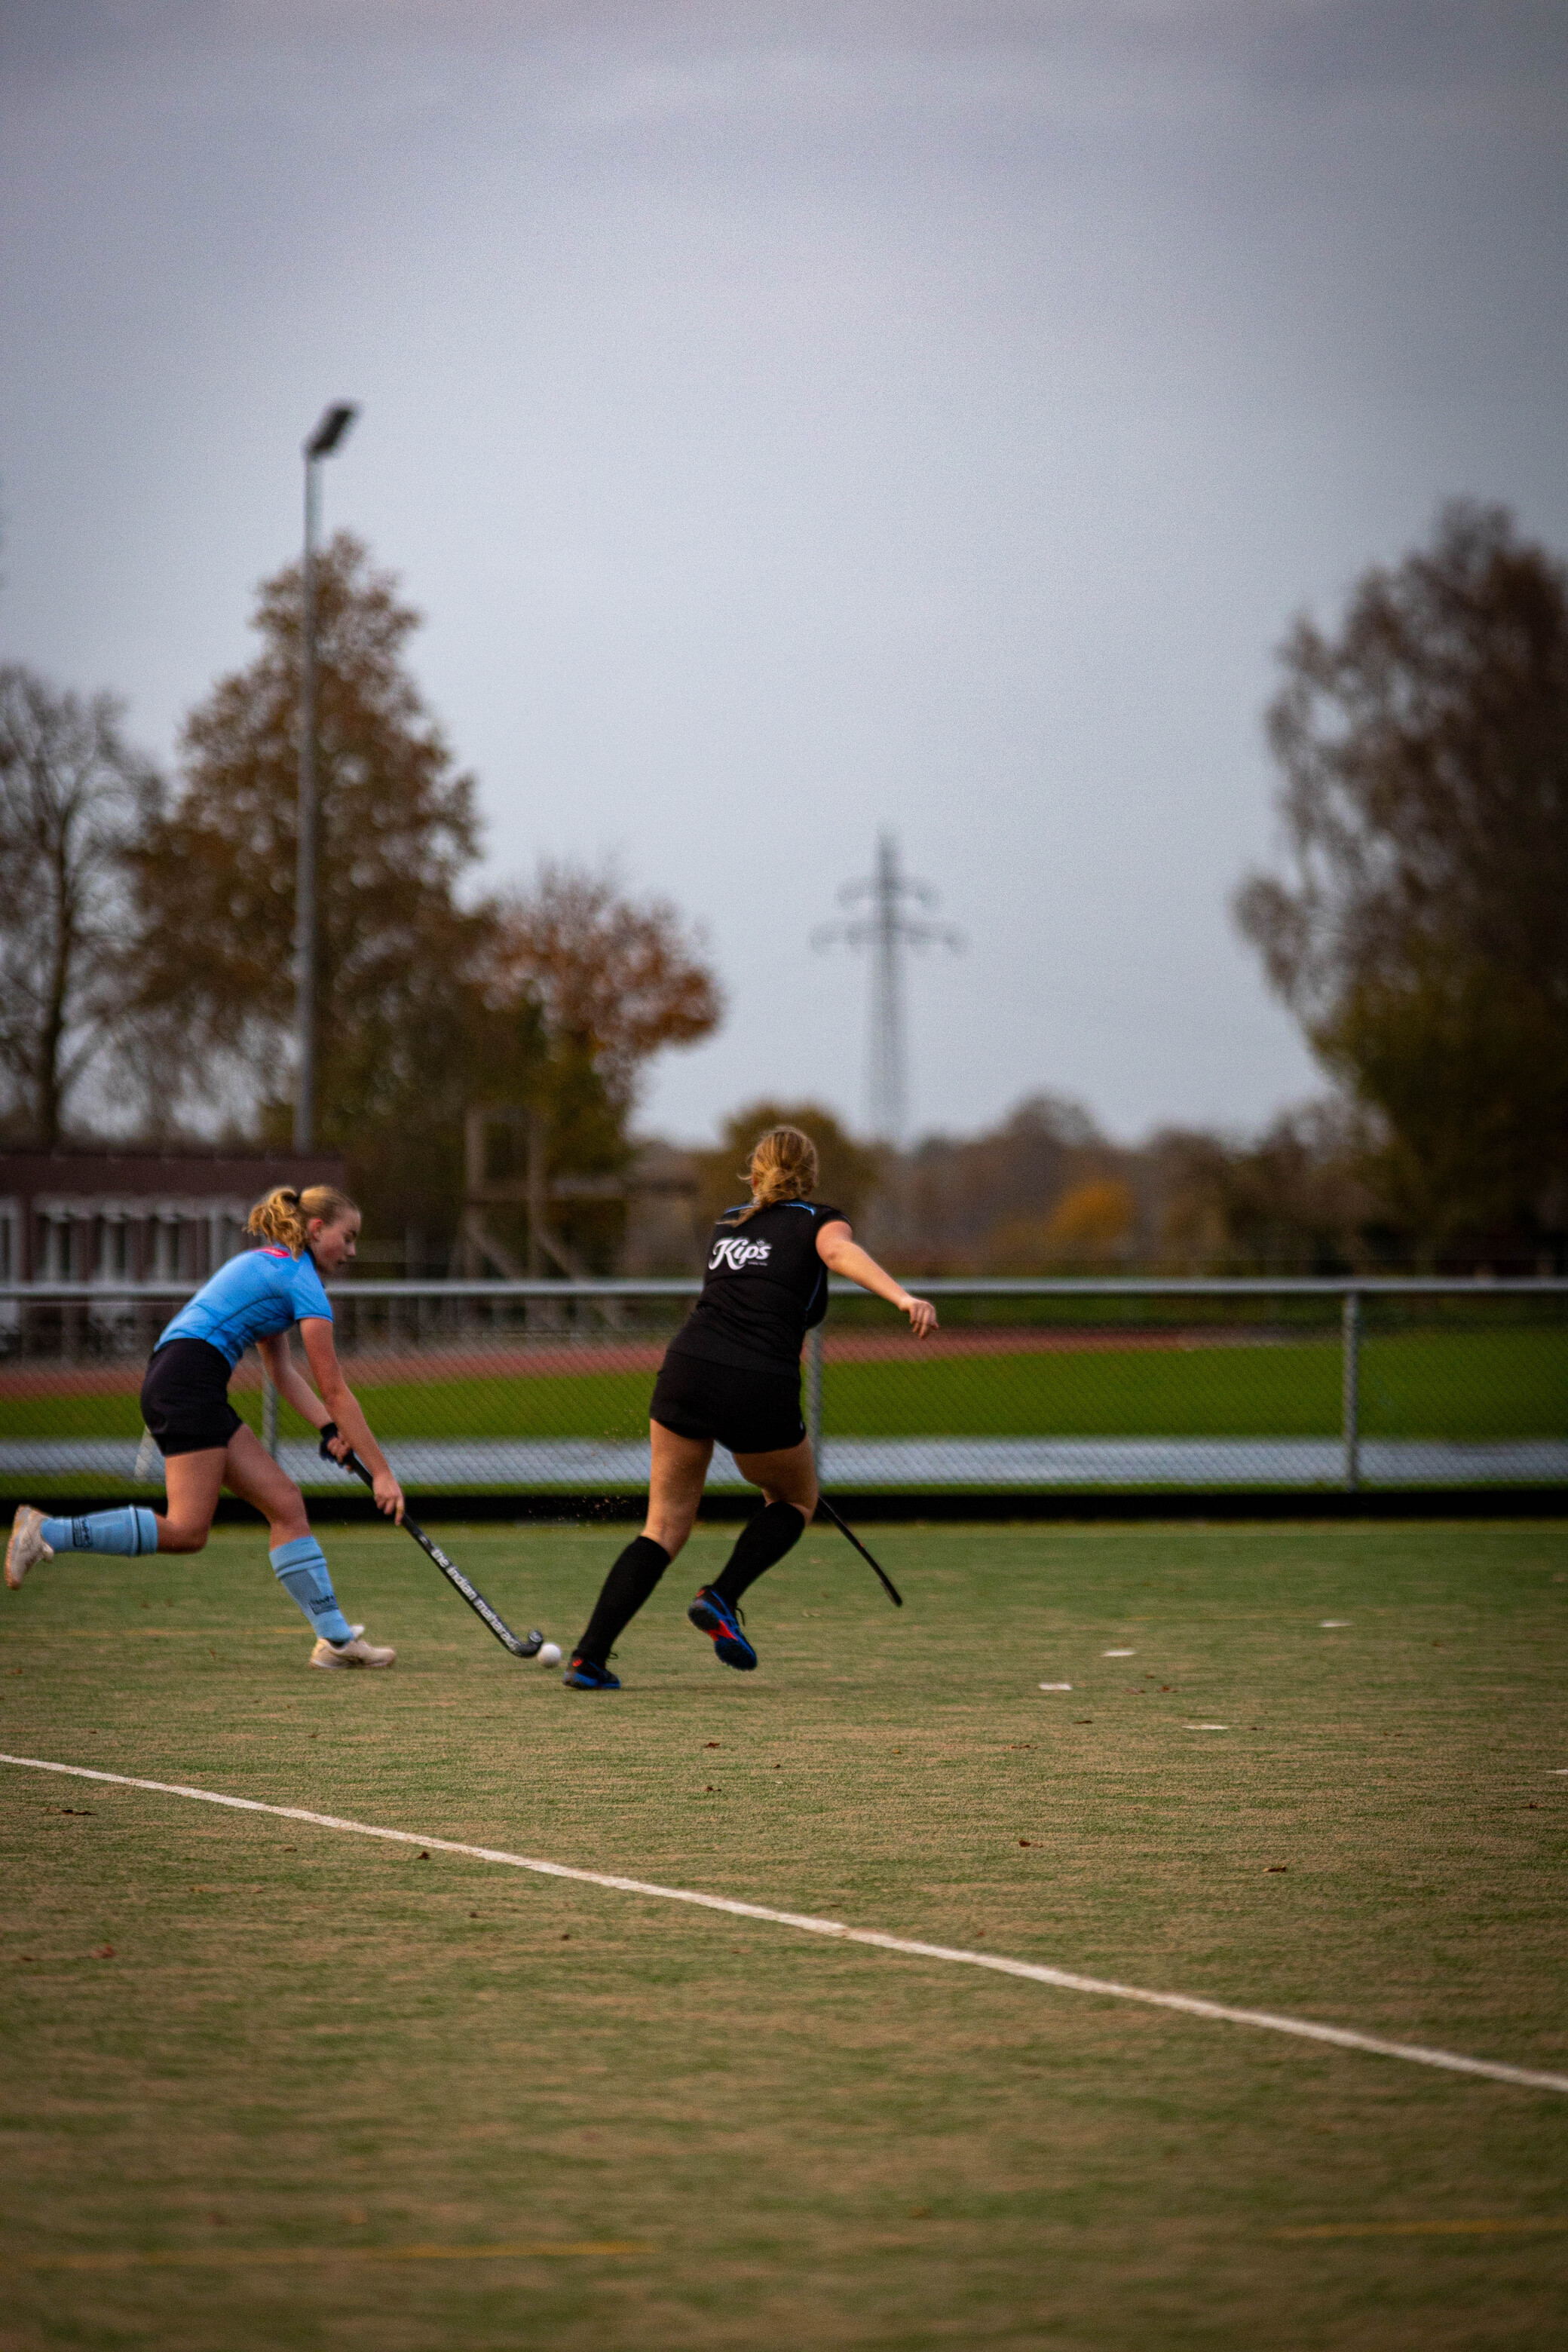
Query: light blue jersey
254	1296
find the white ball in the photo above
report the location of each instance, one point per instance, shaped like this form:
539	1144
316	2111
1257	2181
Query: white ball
550	1655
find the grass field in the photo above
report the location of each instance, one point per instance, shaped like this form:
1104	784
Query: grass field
267	2085
1499	1384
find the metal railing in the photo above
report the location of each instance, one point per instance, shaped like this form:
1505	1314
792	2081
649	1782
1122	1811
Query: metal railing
1032	1382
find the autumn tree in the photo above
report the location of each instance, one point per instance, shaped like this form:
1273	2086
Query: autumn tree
430	1002
607	982
1290	1201
983	1203
1422	933
69	787
402	961
625	980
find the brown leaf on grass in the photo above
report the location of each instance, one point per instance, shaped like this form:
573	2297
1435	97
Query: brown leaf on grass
1026	1841
424	1856
711	1743
103	1952
1277	1865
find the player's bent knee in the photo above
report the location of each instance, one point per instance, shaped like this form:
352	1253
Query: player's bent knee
284	1505
802	1498
175	1535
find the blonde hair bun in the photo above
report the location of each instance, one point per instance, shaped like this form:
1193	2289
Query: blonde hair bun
782	1167
284	1217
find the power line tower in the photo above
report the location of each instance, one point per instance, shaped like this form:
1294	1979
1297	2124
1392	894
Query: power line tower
884	928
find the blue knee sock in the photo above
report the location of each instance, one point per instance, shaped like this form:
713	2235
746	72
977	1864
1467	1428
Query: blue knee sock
127	1533
300	1568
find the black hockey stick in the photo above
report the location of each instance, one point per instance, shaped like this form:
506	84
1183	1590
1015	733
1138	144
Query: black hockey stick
891	1590
454	1575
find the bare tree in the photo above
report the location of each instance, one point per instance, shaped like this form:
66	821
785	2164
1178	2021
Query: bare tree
69	789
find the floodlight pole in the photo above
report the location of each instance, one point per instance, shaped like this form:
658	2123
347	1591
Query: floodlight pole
328	433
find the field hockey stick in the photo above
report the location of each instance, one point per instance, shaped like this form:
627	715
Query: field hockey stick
453	1574
888	1587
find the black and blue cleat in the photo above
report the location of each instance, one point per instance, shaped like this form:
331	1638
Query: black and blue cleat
712	1616
582	1674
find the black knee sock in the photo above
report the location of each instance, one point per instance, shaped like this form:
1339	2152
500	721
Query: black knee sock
761	1542
624	1590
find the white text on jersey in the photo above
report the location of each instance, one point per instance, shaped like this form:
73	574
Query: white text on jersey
737	1255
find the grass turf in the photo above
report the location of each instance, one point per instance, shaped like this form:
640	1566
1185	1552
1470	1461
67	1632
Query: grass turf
1504	1383
305	2054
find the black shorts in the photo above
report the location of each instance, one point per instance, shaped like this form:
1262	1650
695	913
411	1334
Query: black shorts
751	1413
184	1398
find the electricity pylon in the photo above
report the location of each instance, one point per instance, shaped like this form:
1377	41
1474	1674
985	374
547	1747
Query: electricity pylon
884	928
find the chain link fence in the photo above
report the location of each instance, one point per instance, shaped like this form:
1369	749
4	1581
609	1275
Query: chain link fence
542	1388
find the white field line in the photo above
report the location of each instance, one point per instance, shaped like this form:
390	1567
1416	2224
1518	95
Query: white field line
1066	1980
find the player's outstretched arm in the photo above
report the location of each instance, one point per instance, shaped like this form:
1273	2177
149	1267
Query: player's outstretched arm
342	1406
841	1253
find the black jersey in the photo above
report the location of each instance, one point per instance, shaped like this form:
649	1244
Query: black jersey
764	1289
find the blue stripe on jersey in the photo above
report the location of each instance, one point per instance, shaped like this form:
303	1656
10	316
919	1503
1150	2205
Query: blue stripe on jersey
811	1207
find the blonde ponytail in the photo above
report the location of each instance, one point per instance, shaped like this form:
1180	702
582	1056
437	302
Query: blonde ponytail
284	1217
782	1167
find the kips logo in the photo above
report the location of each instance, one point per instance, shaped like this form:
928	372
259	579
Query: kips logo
737	1255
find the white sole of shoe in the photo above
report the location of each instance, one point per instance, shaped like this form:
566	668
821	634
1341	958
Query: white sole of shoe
338	1661
26	1546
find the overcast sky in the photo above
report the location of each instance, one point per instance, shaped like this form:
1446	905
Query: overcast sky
797	420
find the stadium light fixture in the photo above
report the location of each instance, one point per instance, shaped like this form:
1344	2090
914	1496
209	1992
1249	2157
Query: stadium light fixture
335	421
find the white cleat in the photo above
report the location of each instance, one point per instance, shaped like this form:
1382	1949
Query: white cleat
355	1653
26	1546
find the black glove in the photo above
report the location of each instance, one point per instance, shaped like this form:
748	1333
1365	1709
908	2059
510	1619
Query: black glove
329	1430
